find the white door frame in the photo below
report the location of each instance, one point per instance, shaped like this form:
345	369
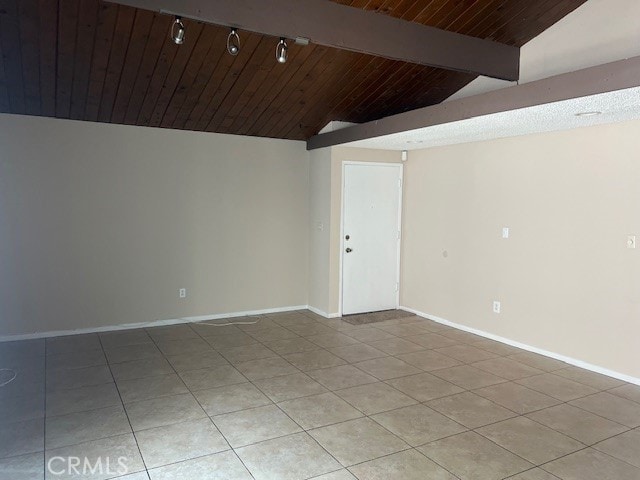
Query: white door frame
342	245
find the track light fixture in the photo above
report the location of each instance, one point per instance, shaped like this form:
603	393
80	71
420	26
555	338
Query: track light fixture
178	31
281	51
233	42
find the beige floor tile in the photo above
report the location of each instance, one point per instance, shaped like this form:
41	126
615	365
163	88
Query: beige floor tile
246	353
319	410
532	441
407	465
255	425
121	451
134	476
81	399
470	410
590	464
369	334
405	330
332	340
172	332
83	427
310	330
462	336
239	339
255	323
73	343
472	457
418	424
289	387
196	360
132	352
594	380
556	386
151	387
337	475
289	458
498	348
212	377
209	329
266	368
396	346
357	352
540	362
516	397
433	340
24	467
375	398
507	368
271	334
386	368
74	360
614	408
20	438
292	345
314	360
625	447
424	386
286	320
468	377
630	392
534	474
124	337
161	411
577	423
180	347
224	465
343	376
62	379
178	442
231	398
141	368
466	353
429	360
357	441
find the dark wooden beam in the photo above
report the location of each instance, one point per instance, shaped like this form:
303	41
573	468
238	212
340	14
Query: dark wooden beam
349	28
582	83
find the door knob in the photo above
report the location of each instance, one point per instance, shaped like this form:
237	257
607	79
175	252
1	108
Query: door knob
349	250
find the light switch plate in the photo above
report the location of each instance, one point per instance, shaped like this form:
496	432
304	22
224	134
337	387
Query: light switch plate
631	241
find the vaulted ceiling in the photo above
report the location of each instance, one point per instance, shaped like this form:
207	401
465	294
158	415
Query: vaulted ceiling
97	61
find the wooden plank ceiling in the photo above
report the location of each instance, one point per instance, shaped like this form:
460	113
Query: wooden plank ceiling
96	61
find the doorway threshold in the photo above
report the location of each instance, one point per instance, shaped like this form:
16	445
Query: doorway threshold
373	317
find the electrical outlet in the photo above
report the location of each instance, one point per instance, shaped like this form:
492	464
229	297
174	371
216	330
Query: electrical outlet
631	241
496	306
505	232
182	293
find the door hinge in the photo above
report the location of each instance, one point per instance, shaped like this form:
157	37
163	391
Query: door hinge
399	183
399	234
397	286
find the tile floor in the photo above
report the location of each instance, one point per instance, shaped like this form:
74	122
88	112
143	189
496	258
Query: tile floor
297	396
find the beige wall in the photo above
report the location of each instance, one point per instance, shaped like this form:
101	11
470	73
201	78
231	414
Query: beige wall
566	280
319	229
102	224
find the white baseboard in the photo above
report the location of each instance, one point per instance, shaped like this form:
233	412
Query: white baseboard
322	313
556	356
155	323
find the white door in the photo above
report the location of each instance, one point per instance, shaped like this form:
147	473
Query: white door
371	237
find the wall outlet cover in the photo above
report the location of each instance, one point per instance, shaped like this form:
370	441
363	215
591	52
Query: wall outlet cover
496	307
182	293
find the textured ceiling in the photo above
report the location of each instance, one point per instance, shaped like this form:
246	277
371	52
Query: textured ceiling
95	61
618	106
